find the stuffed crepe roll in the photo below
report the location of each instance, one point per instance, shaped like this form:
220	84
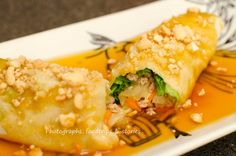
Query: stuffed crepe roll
161	69
53	107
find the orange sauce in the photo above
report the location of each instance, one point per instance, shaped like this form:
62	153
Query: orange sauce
214	105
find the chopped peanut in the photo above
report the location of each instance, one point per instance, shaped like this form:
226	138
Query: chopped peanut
20	153
32	146
166	30
98	154
202	92
187	104
229	85
197	117
221	69
181	32
158	38
78	101
10	77
122	142
35	152
67	120
111	61
150	111
41	77
195	104
16	102
213	63
193	46
3	85
172	60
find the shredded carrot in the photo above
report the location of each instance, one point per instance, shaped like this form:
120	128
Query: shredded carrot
78	149
166	114
151	96
107	116
133	104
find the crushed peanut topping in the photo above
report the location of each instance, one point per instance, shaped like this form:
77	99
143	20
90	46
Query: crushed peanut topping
202	92
32	146
144	43
195	104
10	77
180	64
122	143
187	104
35	152
213	63
16	102
197	117
183	33
233	81
166	30
78	101
3	85
64	93
81	88
67	120
41	79
111	61
166	42
150	111
20	153
40	64
98	153
221	69
229	85
172	60
61	91
193	46
158	38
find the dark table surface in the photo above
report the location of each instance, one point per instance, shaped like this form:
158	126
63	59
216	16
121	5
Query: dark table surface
23	17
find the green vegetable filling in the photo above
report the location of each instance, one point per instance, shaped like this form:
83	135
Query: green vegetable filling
160	85
144	72
121	83
171	92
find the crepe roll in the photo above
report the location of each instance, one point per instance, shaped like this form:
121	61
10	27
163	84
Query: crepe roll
53	107
161	69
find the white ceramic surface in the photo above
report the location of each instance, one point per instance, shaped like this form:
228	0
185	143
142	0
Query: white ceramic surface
121	26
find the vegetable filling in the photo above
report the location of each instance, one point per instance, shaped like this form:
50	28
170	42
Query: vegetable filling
144	90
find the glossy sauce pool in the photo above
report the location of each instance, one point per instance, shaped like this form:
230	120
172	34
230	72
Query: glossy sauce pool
215	104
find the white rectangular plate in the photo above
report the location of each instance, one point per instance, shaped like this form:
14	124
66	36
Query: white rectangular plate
122	26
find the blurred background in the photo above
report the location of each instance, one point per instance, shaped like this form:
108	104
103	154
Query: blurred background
23	17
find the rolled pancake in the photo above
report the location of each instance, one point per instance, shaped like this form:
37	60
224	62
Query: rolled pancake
53	107
178	51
